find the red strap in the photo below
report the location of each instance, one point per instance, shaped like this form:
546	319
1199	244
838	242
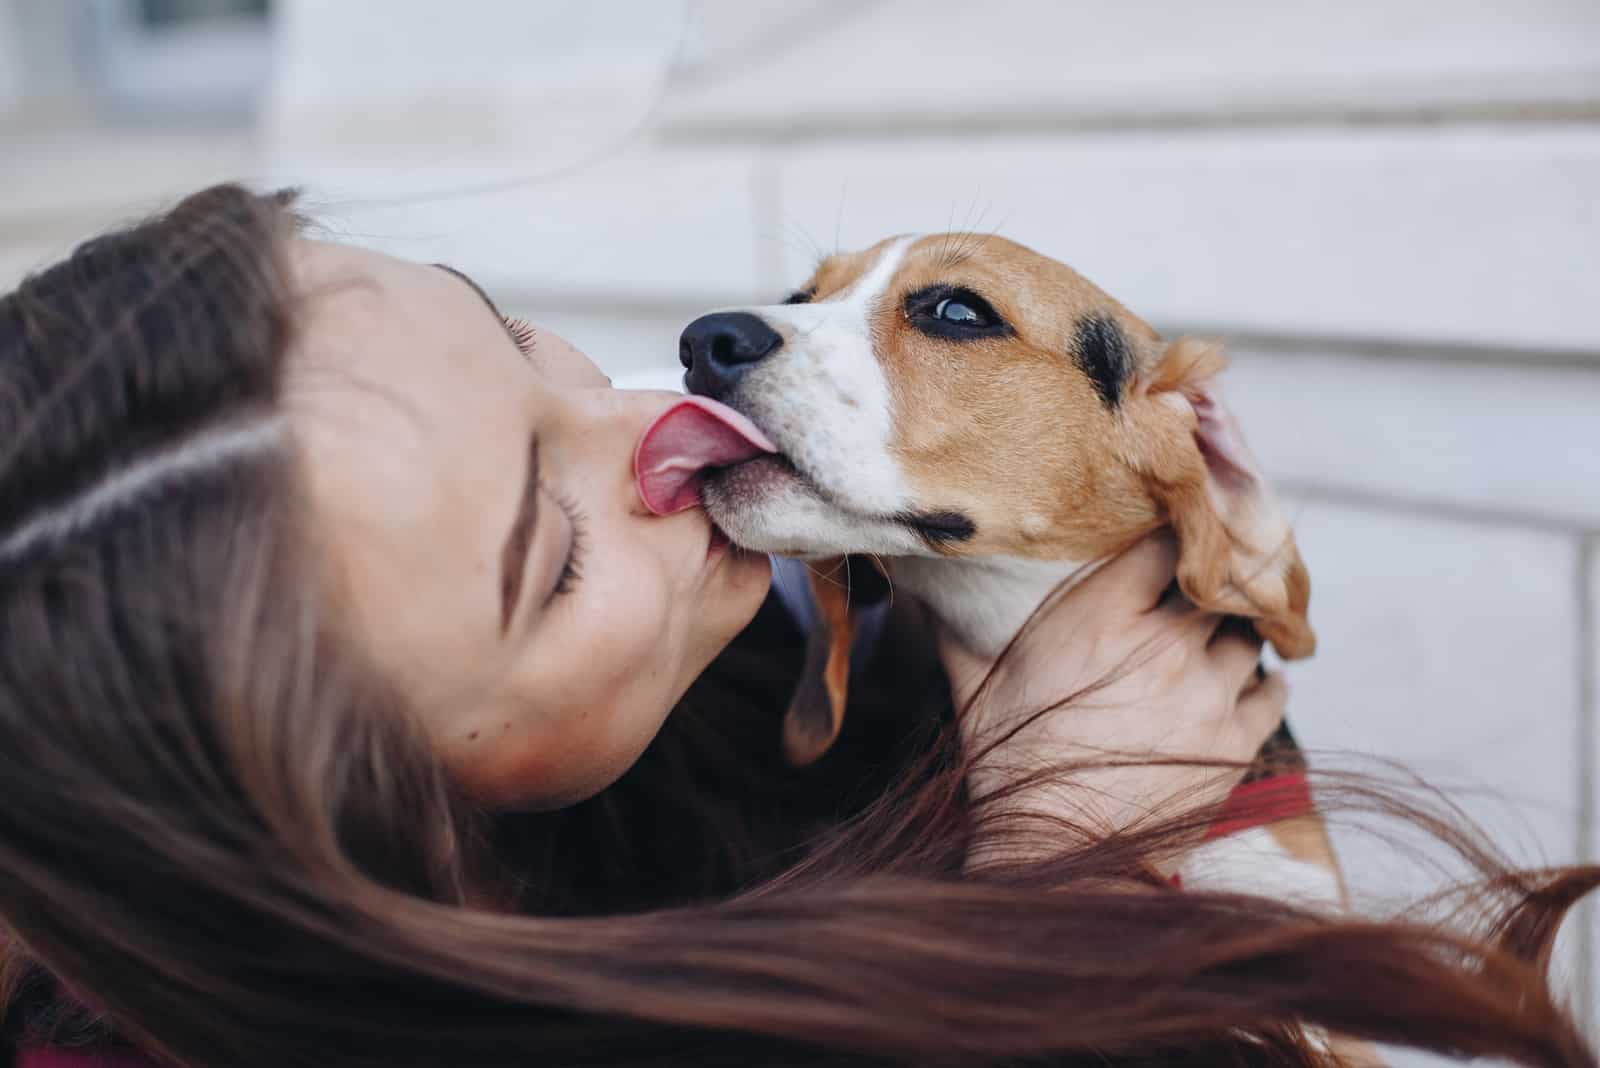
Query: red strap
1253	804
1259	802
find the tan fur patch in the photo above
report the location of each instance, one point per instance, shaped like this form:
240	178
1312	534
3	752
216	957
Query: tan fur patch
1009	429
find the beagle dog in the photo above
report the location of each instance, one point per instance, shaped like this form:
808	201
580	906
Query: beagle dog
984	423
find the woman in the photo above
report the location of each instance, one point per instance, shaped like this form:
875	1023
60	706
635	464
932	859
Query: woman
334	633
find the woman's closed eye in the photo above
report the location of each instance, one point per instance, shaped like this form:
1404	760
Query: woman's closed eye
522	333
532	527
572	563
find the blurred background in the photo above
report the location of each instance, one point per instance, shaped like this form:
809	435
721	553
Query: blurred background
1390	208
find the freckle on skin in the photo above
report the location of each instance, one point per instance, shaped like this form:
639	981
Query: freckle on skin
472	737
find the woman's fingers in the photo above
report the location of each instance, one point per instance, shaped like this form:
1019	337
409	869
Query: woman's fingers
1107	601
1234	653
1256	716
1235	649
1261	708
1139	576
1157	681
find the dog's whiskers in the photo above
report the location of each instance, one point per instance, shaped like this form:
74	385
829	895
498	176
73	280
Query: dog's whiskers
828	576
883	569
793	231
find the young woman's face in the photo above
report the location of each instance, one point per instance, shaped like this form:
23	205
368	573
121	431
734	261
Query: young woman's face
476	497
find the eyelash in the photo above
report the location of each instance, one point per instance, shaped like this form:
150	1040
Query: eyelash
523	333
571	571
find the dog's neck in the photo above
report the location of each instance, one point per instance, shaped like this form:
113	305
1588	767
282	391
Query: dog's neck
983	601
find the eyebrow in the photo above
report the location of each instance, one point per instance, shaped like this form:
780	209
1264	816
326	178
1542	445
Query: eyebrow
483	296
514	554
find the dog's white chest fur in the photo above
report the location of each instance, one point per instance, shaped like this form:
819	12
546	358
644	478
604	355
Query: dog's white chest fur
983	601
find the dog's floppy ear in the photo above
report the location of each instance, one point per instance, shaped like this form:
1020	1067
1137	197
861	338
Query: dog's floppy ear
840	587
1237	554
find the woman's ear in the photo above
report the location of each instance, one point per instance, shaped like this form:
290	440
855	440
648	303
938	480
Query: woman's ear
1236	553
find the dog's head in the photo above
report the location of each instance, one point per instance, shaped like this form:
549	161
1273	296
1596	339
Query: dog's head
960	395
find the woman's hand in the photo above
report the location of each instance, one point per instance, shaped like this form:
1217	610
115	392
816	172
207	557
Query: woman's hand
1145	677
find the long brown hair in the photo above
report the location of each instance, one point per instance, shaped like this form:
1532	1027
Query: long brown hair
221	829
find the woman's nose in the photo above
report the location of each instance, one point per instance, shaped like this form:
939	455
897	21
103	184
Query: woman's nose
612	422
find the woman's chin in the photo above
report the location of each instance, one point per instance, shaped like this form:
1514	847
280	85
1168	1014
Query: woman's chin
748	577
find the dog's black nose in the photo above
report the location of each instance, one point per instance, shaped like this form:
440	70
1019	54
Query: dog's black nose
716	349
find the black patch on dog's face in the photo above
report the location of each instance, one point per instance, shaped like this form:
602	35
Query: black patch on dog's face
941	529
1102	352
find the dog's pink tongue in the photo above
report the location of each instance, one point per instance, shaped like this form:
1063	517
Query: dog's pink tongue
685	440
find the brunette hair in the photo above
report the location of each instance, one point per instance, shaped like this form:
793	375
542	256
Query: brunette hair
222	829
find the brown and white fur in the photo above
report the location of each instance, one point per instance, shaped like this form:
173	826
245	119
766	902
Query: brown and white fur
985	462
990	465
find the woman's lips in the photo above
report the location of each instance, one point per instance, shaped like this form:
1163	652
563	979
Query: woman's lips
694	435
717	546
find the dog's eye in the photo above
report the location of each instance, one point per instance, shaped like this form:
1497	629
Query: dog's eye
954	311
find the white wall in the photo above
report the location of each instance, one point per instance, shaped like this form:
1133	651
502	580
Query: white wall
10	64
1391	207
